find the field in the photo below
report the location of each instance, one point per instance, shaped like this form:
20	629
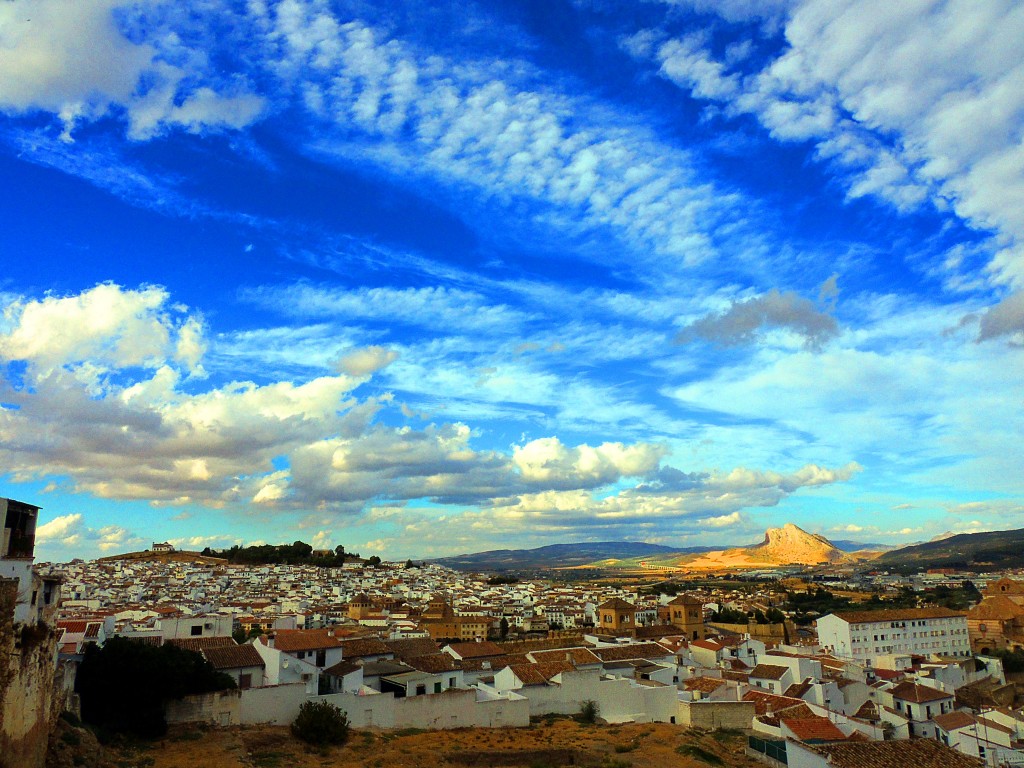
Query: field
552	742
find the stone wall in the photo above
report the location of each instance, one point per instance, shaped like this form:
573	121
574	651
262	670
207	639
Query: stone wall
716	714
29	704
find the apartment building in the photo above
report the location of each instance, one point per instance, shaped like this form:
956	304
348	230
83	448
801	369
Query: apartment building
864	635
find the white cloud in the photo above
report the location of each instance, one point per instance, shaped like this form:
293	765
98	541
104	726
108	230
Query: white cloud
722	521
71	58
885	91
60	528
367	360
550	462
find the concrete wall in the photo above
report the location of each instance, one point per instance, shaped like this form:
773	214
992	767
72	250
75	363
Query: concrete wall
218	707
279	705
716	714
619	700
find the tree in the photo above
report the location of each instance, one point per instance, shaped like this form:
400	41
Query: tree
339	550
775	616
320	723
503	628
125	685
374	561
239	635
408	564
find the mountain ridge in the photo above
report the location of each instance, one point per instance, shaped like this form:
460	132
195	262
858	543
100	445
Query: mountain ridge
575	554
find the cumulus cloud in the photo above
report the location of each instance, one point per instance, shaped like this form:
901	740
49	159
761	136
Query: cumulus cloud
367	360
743	320
1003	319
72	58
550	462
103	403
61	528
71	531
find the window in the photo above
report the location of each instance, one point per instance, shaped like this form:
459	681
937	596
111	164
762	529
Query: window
451	682
245	680
197	630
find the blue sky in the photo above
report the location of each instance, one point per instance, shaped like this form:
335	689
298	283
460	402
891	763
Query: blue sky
429	278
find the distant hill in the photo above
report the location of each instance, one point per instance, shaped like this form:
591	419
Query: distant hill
788	545
559	555
992	550
858	546
178	556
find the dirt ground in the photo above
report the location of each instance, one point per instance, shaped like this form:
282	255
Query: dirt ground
545	744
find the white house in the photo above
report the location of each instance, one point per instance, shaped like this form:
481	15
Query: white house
865	635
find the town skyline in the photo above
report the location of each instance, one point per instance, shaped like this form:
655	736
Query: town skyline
423	280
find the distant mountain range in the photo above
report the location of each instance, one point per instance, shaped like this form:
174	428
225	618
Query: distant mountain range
594	553
991	550
559	555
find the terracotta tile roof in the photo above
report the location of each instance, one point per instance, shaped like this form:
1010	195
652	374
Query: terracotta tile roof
200	644
73	627
889	674
93	630
867	711
364	646
797	690
233	656
684	599
540	674
919	753
576	656
814	729
616	604
433	662
708	645
544	644
289	640
999	608
768	671
703	684
953	720
636	651
764	701
918	694
494	662
479	650
897	614
413	646
342	668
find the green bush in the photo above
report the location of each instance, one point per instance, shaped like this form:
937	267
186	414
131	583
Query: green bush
589	710
321	723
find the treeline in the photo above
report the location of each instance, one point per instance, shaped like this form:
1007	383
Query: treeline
296	553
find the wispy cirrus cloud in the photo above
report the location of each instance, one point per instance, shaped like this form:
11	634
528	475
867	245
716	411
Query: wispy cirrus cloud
883	92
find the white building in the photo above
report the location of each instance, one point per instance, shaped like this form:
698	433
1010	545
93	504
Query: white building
864	635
